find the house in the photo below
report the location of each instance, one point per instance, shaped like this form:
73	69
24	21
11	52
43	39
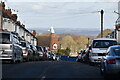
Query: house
8	21
49	40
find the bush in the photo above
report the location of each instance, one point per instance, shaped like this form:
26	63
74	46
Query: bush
64	52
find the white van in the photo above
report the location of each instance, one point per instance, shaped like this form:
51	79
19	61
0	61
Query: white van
99	47
10	49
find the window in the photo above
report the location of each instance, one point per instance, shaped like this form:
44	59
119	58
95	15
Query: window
4	38
103	43
116	51
55	46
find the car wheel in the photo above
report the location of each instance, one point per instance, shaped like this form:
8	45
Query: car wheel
78	60
101	70
91	63
13	61
21	59
28	58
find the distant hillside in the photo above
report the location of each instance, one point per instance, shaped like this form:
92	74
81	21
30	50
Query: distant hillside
105	33
85	31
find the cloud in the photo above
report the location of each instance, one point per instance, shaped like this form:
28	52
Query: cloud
38	6
63	0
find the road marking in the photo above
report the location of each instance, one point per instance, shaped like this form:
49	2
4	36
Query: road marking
43	77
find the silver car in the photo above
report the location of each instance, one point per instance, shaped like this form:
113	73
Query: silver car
27	52
99	47
9	47
110	64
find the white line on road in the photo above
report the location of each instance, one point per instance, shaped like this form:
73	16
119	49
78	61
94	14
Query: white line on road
43	77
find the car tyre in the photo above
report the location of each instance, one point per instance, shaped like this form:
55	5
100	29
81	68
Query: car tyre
91	63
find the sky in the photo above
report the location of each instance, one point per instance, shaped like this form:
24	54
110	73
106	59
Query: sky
64	13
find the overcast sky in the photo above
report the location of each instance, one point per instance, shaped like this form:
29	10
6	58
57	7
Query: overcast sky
65	13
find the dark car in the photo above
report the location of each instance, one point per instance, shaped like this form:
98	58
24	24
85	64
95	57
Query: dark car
27	51
52	56
40	52
79	56
85	57
46	55
35	53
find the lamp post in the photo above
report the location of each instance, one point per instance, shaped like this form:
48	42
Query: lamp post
102	12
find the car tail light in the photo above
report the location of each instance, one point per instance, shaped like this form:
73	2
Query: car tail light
89	50
40	53
10	46
112	61
26	52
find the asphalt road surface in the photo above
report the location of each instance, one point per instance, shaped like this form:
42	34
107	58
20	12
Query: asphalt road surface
54	70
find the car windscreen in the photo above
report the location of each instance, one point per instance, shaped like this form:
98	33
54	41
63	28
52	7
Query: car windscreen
116	51
103	43
4	38
23	44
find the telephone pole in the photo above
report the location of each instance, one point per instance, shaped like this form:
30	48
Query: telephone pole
102	12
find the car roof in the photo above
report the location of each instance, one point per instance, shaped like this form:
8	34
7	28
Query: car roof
114	46
105	39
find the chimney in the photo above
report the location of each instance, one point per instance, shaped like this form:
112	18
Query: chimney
34	32
14	16
9	11
3	5
18	23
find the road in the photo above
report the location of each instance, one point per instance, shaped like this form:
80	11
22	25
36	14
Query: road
43	70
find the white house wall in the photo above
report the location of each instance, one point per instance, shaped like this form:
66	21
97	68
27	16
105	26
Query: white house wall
11	26
35	42
17	30
21	32
27	36
5	23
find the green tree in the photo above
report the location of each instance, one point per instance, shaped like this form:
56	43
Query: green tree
68	42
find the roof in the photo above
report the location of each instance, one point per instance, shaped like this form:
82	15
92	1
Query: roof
115	46
104	39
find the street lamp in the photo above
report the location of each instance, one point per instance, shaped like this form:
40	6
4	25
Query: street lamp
102	12
118	17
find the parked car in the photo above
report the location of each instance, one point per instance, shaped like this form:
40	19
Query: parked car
80	54
46	55
35	53
98	49
52	56
85	56
58	57
110	64
40	52
10	49
27	51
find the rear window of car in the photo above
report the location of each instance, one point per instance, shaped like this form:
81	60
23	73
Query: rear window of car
117	51
4	38
103	43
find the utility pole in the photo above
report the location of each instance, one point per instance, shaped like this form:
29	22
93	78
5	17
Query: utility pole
102	12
